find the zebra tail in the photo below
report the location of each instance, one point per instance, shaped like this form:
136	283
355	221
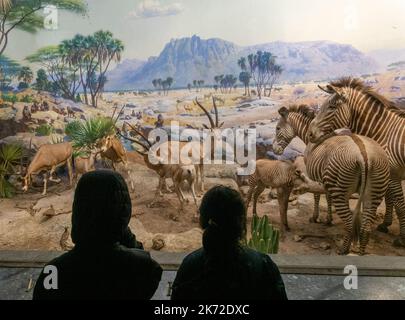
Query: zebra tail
357	211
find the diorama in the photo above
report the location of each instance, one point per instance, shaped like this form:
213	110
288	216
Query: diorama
85	84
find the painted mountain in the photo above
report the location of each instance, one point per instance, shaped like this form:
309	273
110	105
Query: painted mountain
189	59
387	56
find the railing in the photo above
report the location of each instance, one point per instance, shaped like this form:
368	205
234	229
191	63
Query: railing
309	265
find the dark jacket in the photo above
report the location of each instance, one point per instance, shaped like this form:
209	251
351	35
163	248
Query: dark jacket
250	276
101	265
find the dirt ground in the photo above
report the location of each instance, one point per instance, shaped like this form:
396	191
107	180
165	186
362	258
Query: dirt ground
30	221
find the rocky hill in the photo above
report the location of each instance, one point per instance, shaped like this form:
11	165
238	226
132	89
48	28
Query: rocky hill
189	59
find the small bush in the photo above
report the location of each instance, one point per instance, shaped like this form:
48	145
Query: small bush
44	130
26	99
9	97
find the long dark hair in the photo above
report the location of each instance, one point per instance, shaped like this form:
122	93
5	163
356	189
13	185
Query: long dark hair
223	219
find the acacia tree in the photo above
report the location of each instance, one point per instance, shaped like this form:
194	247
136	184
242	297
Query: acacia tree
64	76
81	62
264	71
24	15
101	50
42	82
26	76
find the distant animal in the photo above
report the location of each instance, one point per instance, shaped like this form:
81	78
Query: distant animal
207	96
34	108
26	114
280	175
70	112
253	92
48	158
45	105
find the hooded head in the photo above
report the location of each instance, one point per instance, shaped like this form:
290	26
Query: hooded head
101	209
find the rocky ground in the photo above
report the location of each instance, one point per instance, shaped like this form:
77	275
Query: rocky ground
30	221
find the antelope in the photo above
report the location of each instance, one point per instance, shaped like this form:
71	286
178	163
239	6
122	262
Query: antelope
177	172
48	158
280	175
165	150
85	164
111	148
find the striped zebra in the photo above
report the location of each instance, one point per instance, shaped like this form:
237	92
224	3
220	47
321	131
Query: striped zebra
345	165
354	105
280	175
294	122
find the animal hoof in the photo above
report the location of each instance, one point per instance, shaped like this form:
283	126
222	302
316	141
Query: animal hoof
328	223
383	228
399	243
313	220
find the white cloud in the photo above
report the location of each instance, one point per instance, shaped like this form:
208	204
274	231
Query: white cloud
153	8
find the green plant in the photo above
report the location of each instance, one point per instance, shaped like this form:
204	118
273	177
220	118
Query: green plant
44	130
9	97
85	134
265	238
26	99
9	156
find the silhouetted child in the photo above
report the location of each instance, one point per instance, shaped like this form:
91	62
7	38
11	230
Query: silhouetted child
101	266
223	268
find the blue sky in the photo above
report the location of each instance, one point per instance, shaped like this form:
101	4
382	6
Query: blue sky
146	26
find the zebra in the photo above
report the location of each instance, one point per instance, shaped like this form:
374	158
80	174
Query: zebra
294	122
356	106
280	175
344	164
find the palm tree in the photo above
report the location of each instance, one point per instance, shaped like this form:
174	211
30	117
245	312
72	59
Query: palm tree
242	63
169	82
244	77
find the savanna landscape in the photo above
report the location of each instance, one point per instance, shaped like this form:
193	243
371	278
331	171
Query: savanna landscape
78	90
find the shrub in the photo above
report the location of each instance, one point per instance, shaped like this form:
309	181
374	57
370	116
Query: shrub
9	97
26	99
44	130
